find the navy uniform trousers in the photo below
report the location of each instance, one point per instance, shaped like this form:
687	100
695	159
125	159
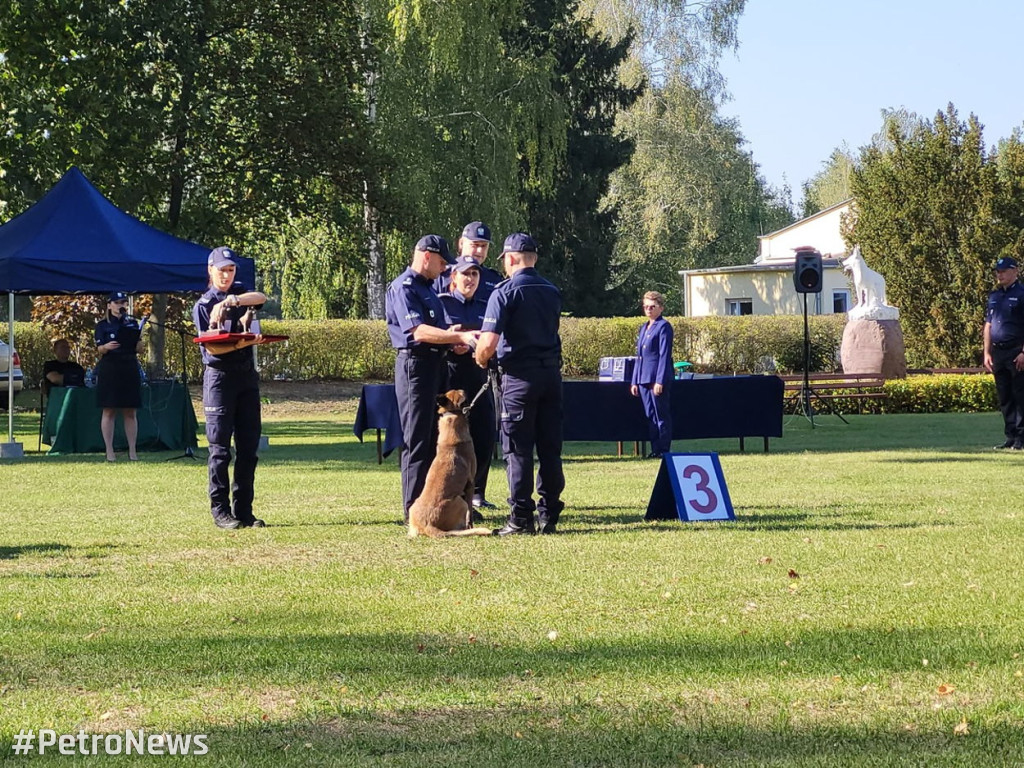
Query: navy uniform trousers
231	401
531	417
659	416
1009	391
418	379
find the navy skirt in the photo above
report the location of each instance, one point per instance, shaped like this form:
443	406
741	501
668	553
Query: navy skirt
118	384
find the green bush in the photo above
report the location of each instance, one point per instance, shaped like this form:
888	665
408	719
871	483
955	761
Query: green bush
359	349
34	348
940	393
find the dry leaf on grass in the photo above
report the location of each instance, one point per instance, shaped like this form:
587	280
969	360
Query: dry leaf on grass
793	574
945	689
962	729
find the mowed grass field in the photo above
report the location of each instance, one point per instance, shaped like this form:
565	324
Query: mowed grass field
865	608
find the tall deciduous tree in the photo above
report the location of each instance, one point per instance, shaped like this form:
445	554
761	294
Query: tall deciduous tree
456	110
690	196
212	119
832	184
577	233
932	212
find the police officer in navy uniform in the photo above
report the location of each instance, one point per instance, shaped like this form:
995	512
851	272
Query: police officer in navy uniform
118	379
231	392
464	307
417	329
521	328
474	243
1004	350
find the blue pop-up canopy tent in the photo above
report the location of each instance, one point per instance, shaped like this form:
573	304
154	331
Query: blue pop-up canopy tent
74	241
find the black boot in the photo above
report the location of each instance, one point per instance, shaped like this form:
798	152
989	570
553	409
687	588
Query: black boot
516	527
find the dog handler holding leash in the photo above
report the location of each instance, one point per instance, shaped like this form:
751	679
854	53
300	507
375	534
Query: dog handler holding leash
417	329
521	327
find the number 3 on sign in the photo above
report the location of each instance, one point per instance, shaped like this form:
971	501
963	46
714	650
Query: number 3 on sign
699	485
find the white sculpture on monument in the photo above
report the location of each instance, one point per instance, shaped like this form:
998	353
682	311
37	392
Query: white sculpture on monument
872	339
870	289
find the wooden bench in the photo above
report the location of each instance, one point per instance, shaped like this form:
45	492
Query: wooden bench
857	388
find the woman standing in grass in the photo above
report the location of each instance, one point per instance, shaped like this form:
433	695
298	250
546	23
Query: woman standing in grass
652	375
118	382
231	392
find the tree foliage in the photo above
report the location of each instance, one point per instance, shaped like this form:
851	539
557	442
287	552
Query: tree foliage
832	184
933	208
577	233
691	195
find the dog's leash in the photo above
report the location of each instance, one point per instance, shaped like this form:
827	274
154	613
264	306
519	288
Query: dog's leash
467	408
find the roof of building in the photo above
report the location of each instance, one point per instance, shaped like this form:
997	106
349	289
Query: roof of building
775	266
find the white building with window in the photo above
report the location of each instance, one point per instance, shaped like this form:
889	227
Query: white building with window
766	286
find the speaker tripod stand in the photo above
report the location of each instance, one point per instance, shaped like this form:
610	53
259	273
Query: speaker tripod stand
804	399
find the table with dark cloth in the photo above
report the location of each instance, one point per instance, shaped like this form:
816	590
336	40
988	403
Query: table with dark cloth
167	420
598	411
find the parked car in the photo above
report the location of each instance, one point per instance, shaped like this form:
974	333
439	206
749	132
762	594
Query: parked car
5	367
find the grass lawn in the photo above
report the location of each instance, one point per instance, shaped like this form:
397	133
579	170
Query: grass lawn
865	608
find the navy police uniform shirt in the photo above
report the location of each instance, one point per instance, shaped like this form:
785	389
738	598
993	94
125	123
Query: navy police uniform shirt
525	310
1005	313
489	279
469	313
410	301
124	330
231	323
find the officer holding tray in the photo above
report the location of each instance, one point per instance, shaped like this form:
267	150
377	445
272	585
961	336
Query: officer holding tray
417	329
521	327
231	391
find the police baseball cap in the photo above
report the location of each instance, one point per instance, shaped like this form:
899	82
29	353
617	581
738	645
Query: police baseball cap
1007	262
477	231
466	263
222	257
519	242
117	296
435	244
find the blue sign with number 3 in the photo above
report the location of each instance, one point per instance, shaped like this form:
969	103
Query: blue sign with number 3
690	487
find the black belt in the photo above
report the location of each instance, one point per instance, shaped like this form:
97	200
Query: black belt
1007	344
530	365
420	351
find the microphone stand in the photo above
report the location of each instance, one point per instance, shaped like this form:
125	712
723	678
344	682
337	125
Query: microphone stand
183	334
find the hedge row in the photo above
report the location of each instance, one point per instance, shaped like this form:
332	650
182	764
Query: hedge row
359	349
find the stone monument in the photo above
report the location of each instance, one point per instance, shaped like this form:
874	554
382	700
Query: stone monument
872	339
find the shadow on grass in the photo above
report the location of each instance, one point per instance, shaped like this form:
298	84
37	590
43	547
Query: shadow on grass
9	553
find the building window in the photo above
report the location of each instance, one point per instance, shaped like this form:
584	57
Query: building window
739	307
840	301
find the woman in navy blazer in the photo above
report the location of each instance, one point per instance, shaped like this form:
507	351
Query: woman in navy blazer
653	372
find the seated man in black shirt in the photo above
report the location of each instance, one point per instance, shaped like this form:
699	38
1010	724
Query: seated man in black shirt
62	372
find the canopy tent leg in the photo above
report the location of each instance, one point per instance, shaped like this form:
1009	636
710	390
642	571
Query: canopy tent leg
10	449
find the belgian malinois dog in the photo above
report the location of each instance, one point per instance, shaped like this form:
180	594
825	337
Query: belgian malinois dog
443	509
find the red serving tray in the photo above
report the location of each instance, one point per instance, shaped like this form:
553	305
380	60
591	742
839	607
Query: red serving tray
223	337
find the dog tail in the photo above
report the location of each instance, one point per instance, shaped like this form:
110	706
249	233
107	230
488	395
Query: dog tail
436	533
